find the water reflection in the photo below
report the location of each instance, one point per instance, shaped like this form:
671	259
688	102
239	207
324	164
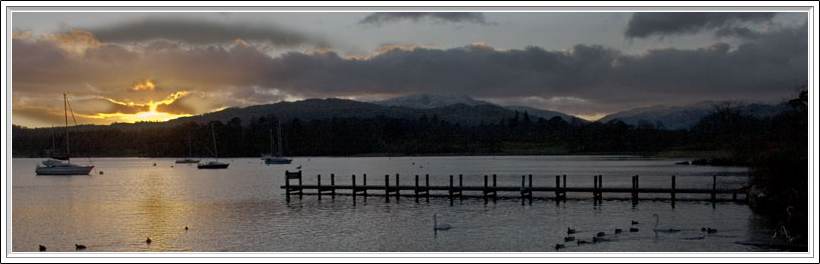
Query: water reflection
115	212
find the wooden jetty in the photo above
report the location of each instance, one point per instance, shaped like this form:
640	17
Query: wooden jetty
487	191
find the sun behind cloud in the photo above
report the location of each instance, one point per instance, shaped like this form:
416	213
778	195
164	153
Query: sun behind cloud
152	115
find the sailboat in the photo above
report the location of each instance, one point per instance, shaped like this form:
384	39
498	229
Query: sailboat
277	157
213	164
189	159
54	166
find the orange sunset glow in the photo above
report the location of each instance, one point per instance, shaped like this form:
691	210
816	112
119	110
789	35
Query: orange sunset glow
153	115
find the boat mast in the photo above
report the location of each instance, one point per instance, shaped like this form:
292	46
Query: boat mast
53	142
216	152
279	136
270	131
65	111
189	144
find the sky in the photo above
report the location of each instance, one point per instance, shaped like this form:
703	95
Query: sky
130	65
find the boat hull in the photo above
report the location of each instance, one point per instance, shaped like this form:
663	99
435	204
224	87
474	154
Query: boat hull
187	161
73	170
278	161
212	166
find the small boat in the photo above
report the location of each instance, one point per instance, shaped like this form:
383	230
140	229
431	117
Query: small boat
188	160
213	164
54	166
277	157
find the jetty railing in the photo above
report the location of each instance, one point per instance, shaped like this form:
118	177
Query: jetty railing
525	191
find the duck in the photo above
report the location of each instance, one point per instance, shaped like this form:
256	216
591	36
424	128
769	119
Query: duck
148	240
618	230
600	234
570	231
569	238
78	246
559	246
582	242
42	248
632	229
708	230
186	228
634	222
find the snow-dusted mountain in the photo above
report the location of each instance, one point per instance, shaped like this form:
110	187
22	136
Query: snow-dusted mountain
684	117
427	101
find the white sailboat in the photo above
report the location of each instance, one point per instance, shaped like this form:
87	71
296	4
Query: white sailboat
213	164
277	157
188	159
56	167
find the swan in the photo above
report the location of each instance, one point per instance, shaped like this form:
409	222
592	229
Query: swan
437	227
657	219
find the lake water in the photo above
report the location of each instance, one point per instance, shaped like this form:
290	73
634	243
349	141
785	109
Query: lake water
243	209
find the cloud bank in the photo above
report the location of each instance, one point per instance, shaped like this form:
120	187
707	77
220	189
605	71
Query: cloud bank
584	79
378	19
643	25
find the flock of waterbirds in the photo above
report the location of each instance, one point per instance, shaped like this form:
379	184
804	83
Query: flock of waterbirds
604	237
83	247
599	237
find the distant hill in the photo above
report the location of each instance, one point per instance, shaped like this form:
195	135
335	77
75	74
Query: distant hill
685	117
427	101
319	109
546	114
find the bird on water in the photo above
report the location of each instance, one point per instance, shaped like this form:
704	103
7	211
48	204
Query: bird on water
570	231
78	246
148	240
42	248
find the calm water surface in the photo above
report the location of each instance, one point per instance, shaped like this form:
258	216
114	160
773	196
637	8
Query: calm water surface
242	208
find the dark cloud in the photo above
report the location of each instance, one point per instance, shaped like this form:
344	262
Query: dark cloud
643	25
590	77
93	106
202	32
377	19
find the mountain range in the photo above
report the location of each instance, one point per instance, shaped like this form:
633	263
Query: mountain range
461	109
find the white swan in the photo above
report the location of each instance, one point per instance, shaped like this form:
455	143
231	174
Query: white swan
657	219
437	227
